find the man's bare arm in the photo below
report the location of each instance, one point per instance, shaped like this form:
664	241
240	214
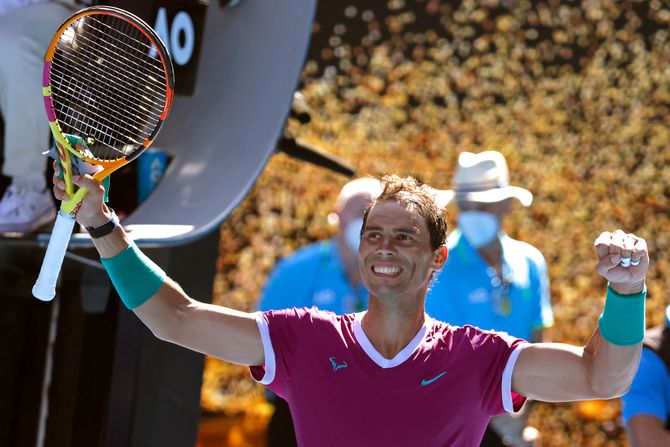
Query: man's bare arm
170	313
557	372
217	331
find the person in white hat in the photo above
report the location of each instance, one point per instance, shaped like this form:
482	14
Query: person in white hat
491	280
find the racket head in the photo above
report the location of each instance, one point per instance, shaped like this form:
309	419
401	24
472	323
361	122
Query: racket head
108	79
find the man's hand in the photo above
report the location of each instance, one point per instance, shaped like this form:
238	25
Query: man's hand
93	211
623	261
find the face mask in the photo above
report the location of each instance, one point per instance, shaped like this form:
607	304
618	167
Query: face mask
352	234
478	227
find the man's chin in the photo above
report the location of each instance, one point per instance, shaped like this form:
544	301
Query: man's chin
385	292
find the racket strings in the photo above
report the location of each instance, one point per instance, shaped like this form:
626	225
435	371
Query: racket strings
102	134
64	81
141	46
96	120
119	47
120	78
115	94
137	124
109	80
116	80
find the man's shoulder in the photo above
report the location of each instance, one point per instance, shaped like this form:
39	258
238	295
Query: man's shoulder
311	316
521	248
467	333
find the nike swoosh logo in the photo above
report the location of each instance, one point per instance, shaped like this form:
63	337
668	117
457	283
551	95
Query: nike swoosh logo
425	382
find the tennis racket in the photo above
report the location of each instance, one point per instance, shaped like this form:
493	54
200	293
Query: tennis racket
108	84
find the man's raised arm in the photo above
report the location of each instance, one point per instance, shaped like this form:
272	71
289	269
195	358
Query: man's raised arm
157	300
605	367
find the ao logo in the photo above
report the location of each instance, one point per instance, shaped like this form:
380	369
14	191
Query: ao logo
181	52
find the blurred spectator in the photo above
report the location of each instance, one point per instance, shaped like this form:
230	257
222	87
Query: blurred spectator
323	274
646	406
26	28
491	280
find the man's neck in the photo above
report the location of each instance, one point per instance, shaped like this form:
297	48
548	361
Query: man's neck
389	327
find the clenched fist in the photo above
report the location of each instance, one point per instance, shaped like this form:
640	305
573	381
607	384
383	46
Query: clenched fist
623	261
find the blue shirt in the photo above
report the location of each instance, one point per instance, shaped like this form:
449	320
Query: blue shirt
313	276
469	291
650	391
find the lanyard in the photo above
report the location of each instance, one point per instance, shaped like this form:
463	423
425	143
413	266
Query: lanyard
500	295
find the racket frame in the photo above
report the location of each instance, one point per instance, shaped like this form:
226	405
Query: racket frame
44	288
63	146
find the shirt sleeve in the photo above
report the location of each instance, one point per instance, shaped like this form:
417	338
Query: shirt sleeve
280	333
647	392
497	353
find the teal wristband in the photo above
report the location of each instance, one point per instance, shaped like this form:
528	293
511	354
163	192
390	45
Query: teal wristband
135	277
622	321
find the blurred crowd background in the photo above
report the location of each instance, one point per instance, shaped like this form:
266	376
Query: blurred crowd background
576	94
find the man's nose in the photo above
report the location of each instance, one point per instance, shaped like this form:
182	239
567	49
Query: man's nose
385	246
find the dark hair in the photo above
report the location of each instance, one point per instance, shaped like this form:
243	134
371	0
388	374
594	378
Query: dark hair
413	195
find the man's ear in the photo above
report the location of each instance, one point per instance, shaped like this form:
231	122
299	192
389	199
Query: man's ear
441	257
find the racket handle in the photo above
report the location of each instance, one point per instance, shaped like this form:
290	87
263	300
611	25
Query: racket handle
45	286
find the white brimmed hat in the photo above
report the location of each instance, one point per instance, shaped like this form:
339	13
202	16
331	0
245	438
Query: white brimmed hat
483	177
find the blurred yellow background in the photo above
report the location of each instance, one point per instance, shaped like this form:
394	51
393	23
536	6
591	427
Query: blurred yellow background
575	94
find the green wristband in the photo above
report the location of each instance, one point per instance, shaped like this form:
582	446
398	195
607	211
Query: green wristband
622	321
135	277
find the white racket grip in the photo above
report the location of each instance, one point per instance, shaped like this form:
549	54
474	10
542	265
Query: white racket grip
45	286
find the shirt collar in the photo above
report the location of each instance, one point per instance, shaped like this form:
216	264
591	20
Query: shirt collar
400	357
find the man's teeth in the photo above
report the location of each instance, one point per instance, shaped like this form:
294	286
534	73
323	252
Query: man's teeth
387	270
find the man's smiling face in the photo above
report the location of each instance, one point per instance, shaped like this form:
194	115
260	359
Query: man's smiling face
396	258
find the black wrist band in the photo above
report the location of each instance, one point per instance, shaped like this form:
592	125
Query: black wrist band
104	229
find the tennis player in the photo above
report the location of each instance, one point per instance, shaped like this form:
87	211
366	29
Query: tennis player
390	375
